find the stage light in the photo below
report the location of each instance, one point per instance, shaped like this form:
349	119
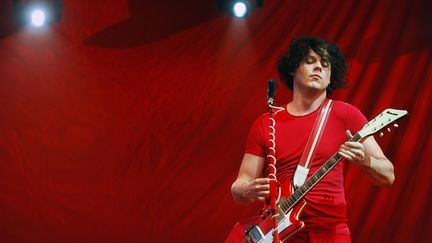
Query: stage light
239	8
38	18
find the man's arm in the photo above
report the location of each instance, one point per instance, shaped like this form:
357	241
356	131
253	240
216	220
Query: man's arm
249	185
369	156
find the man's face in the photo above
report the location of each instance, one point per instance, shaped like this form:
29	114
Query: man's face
312	73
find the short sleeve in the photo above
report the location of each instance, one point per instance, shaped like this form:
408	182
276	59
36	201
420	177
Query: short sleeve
355	120
255	143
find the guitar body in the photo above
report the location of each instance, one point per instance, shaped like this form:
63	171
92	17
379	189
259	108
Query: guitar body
238	233
260	228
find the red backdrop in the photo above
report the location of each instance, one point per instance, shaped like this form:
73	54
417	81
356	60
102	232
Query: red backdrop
126	121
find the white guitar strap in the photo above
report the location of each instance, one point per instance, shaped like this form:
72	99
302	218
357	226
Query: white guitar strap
312	143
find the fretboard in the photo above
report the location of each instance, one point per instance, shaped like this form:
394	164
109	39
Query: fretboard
287	203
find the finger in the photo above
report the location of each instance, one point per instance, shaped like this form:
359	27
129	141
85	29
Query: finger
263	193
349	153
261	199
262	181
344	155
348	134
354	145
262	187
355	151
353	156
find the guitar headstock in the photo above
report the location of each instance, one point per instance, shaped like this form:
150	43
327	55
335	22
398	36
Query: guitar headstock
386	117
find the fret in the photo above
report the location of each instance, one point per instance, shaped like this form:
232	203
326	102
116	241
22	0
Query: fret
282	202
295	197
324	169
301	190
298	195
333	163
291	200
281	206
309	183
286	204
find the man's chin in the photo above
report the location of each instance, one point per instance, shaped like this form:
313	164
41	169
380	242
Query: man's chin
316	86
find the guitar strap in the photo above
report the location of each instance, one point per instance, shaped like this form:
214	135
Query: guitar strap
312	143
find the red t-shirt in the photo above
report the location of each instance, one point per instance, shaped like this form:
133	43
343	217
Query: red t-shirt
326	208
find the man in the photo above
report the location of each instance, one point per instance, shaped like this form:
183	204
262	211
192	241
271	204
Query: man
312	68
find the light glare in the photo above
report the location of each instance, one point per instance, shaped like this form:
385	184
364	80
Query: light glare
239	9
38	18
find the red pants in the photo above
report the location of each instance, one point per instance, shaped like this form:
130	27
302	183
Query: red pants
318	237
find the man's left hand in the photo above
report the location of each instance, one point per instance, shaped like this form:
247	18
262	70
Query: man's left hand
353	151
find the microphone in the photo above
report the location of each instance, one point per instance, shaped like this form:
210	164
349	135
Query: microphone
271	91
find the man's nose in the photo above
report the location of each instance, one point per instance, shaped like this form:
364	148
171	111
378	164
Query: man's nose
318	67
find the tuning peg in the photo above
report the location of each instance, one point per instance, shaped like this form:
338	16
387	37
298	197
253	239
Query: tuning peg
381	134
388	129
395	125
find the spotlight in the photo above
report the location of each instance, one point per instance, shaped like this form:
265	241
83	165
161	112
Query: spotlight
38	17
239	8
37	13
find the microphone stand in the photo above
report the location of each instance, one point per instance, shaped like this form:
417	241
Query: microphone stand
273	197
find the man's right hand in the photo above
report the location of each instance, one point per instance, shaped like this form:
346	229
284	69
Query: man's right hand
249	185
246	192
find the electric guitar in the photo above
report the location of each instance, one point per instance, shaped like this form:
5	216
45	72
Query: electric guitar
260	228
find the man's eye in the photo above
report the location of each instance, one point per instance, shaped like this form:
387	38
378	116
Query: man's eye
310	60
326	64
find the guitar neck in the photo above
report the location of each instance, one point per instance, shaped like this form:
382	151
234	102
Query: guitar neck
287	203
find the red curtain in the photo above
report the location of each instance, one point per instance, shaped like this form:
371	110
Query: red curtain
126	121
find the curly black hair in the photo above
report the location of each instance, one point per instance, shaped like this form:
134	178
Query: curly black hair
299	49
